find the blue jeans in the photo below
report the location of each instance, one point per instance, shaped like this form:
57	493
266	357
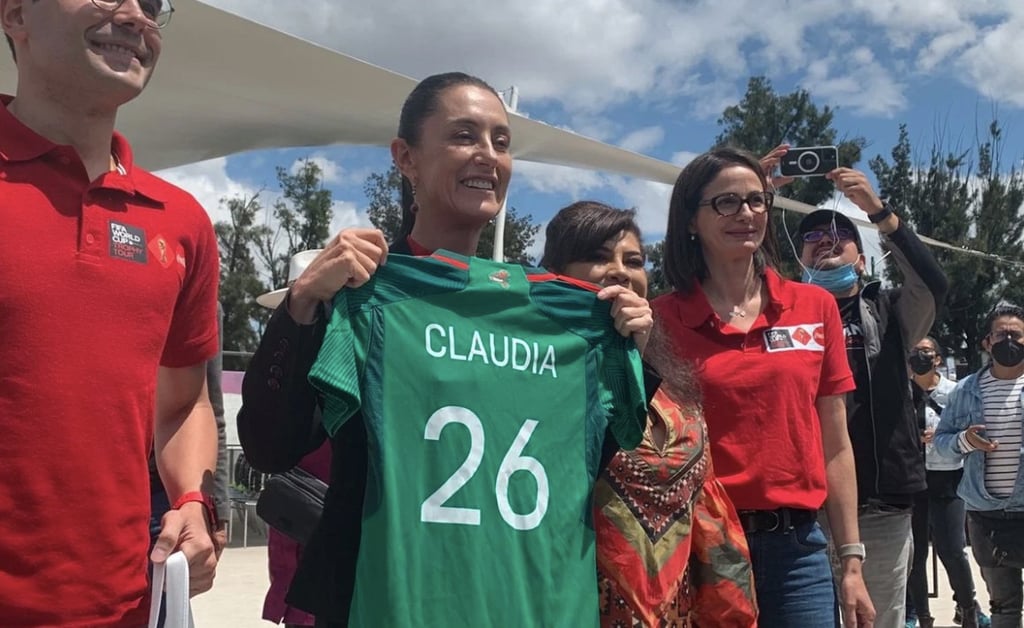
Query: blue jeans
793	578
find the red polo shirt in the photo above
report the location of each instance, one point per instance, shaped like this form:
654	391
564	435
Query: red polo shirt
759	389
100	283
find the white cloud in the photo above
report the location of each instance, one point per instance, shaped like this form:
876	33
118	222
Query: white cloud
549	178
595	54
650	200
347	215
331	171
209	182
995	63
858	80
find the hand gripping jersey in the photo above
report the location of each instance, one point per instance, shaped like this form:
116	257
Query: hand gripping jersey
486	390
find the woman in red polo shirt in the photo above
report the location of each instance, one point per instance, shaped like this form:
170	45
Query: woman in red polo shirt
770	357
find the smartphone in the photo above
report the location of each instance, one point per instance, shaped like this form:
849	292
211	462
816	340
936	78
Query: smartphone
984	439
809	161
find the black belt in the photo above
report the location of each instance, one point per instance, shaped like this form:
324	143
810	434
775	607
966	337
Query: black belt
781	520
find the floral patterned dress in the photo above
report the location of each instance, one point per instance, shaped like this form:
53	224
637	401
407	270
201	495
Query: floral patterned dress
670	549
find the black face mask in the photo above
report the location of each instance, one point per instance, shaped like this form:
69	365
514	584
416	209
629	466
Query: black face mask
921	363
1008	352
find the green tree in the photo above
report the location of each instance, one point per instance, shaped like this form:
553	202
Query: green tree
962	197
239	277
256	244
762	120
384	192
657	283
302	217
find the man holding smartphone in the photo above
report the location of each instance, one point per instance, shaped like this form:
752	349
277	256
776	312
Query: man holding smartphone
881	326
982	423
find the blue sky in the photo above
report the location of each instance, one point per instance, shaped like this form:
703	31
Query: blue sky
653	76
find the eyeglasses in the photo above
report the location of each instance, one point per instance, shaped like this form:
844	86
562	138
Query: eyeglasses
999	336
730	204
158	12
839	234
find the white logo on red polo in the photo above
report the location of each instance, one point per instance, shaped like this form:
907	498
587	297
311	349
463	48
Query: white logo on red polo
806	337
127	242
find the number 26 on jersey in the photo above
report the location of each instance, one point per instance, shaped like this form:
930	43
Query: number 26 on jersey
433	509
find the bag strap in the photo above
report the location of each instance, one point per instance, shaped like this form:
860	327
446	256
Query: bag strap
174	574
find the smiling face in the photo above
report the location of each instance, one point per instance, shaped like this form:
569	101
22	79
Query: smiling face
831	249
619	261
99	57
730	237
460	165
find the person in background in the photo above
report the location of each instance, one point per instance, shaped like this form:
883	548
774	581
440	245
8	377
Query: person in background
880	326
938	509
982	424
109	316
769	356
284	553
661	498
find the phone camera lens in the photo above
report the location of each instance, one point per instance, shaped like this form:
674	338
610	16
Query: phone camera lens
809	161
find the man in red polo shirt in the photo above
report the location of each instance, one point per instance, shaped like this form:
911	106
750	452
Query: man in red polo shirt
108	279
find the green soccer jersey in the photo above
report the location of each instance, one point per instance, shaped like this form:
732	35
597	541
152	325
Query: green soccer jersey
486	390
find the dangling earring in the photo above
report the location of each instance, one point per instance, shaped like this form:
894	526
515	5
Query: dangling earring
414	208
693	237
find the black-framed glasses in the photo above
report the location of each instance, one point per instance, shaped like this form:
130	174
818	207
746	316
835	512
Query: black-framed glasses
999	336
729	204
839	234
158	12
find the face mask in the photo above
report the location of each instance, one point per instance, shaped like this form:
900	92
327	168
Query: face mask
835	280
1008	352
920	363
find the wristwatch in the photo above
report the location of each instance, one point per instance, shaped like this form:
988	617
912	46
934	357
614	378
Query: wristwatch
878	217
203	498
852	549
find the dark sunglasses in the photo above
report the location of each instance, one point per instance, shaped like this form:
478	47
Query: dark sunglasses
839	234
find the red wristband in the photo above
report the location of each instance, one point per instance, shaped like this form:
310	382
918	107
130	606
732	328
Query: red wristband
202	498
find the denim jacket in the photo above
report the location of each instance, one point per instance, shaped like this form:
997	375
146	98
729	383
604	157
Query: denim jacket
964	408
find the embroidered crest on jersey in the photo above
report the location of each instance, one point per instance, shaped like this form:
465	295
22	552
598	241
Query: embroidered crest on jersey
500	277
127	242
807	337
158	246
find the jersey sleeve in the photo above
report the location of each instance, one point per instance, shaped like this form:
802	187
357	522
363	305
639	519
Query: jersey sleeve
836	376
336	370
623	393
192	337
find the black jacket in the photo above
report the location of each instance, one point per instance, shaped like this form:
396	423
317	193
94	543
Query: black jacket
884	431
279	423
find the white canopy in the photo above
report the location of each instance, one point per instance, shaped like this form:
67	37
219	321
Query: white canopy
226	84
